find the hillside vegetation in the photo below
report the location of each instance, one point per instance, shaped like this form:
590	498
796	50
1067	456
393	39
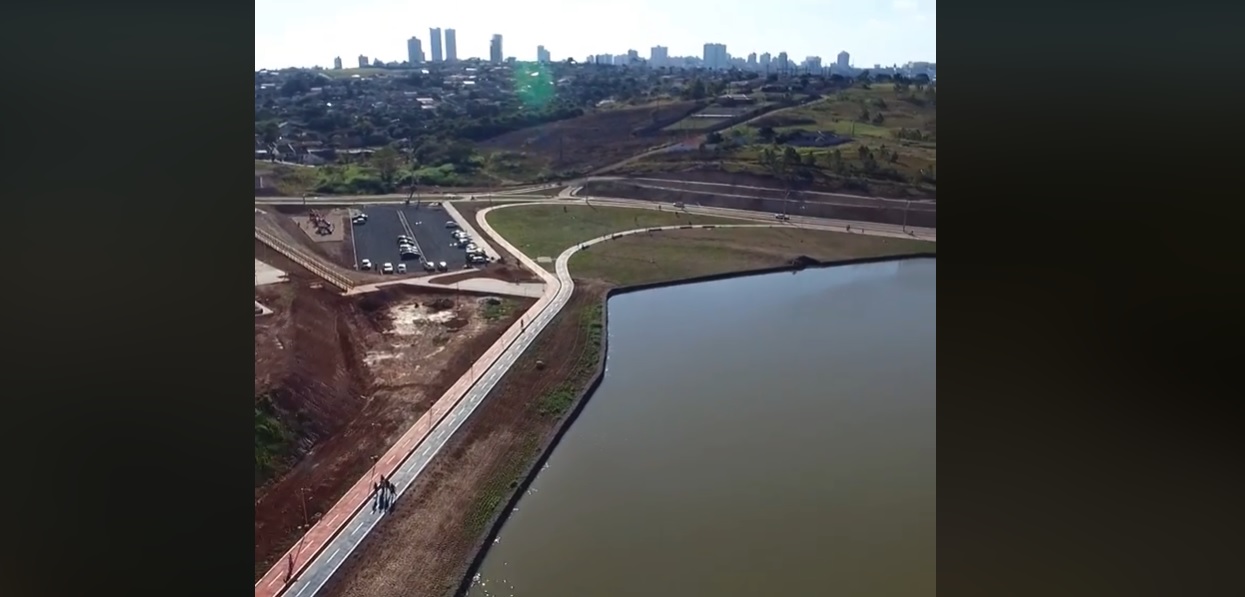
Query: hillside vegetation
880	134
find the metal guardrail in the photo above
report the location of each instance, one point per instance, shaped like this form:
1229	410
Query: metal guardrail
310	264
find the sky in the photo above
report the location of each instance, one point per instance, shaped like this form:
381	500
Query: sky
307	33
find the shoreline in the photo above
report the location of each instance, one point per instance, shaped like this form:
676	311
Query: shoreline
497	520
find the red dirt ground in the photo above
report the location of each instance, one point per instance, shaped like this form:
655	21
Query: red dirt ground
424	548
348	375
689	167
593	140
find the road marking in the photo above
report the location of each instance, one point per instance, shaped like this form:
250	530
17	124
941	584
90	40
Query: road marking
334	518
356	526
334	556
300	591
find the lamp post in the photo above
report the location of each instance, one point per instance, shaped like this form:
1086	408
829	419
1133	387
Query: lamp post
906	205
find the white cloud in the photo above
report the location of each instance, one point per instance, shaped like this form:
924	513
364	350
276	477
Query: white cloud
905	6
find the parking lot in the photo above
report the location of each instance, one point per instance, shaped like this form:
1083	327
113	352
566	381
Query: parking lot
377	240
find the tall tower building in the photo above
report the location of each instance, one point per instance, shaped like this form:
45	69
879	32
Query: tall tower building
783	62
659	56
362	61
337	63
842	60
434	38
542	55
451	46
715	56
414	53
494	49
765	60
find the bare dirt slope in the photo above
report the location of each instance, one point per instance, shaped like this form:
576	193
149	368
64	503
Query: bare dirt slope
593	140
818	207
424	548
343	377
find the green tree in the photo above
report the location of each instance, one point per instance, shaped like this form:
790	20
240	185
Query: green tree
271	133
714	137
386	161
697	90
767	133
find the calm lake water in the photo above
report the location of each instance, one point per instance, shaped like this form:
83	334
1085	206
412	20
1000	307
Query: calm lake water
771	435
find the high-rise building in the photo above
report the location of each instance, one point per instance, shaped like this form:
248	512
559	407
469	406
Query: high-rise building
494	49
414	51
542	55
765	60
812	64
362	61
434	38
659	56
715	57
377	62
752	59
337	63
451	46
783	63
842	60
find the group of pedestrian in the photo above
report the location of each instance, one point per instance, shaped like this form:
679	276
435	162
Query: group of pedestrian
384	493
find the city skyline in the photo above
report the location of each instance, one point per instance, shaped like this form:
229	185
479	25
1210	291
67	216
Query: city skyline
314	32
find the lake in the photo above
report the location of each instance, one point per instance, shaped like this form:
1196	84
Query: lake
767	435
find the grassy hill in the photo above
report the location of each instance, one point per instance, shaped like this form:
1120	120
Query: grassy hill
892	132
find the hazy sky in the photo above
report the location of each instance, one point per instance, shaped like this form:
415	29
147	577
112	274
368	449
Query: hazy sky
312	32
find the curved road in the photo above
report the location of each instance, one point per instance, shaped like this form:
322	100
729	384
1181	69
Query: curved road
352	530
929	234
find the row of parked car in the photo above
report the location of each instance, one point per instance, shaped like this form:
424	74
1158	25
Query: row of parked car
475	254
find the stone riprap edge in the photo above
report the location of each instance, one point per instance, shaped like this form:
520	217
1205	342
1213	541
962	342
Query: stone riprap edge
497	520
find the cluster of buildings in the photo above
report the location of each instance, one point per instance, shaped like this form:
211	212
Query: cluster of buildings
415	51
715	57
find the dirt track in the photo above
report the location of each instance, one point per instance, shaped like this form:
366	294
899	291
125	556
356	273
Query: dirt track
890	213
594	140
347	375
424	548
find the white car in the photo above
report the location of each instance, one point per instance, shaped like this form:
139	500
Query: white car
443	266
387	268
430	266
365	265
401	268
782	217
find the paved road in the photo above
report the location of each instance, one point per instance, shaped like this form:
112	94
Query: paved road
929	234
339	532
342	533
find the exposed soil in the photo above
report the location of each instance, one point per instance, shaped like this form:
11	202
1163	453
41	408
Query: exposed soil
424	548
688	167
922	216
297	222
331	255
348	375
597	139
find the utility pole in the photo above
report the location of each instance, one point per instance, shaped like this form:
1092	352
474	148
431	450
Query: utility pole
302	492
906	205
